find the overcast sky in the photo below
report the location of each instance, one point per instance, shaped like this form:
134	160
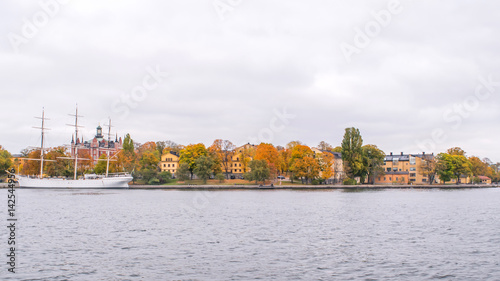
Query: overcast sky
411	75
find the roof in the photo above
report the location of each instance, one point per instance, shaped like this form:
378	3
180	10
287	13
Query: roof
484	178
397	173
406	157
335	154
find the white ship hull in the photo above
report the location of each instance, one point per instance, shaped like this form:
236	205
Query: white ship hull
104	182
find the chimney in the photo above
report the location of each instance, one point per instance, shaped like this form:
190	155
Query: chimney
423	153
401	153
391	154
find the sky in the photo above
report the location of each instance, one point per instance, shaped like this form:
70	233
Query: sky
412	76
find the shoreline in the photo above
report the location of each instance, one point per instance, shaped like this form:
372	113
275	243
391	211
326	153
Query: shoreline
300	187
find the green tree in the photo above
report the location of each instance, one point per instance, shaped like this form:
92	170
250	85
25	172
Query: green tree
5	160
453	166
352	154
259	171
190	154
183	173
442	167
100	167
373	159
203	169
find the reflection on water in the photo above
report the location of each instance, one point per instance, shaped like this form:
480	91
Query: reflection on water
410	234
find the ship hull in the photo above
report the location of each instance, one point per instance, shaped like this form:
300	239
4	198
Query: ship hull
109	182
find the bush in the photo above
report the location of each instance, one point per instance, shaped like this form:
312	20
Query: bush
154	181
349	182
220	177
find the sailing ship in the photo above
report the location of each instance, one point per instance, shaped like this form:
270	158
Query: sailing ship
117	180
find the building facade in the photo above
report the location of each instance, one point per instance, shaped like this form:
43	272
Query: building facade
169	162
97	146
404	169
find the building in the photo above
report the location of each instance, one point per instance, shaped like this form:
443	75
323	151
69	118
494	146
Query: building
169	162
239	166
97	146
404	169
484	179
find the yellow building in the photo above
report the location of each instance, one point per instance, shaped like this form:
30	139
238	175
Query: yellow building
238	166
403	169
169	162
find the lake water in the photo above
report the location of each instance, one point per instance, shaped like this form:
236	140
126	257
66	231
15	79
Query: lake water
405	234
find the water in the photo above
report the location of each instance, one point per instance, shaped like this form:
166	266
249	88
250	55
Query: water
255	235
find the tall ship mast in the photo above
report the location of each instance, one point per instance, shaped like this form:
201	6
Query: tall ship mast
117	180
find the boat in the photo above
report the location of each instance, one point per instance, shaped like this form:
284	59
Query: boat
117	180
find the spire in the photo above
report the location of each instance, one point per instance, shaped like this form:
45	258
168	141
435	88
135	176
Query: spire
72	139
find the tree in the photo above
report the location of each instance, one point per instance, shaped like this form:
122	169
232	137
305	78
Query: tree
337	149
32	167
453	166
268	152
326	161
478	167
190	154
300	157
259	171
246	155
222	151
61	167
203	169
127	158
100	167
183	173
373	159
5	160
352	154
442	167
455	151
325	146
429	167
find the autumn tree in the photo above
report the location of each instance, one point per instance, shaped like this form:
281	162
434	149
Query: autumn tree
259	171
429	167
352	153
326	161
301	156
268	152
32	167
284	160
127	158
60	166
246	154
478	167
222	151
455	151
204	167
325	146
373	160
5	160
190	154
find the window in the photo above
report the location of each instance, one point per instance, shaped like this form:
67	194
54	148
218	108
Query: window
397	178
385	178
379	179
388	169
413	169
395	162
395	169
168	165
413	174
424	180
412	179
173	165
390	178
164	165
